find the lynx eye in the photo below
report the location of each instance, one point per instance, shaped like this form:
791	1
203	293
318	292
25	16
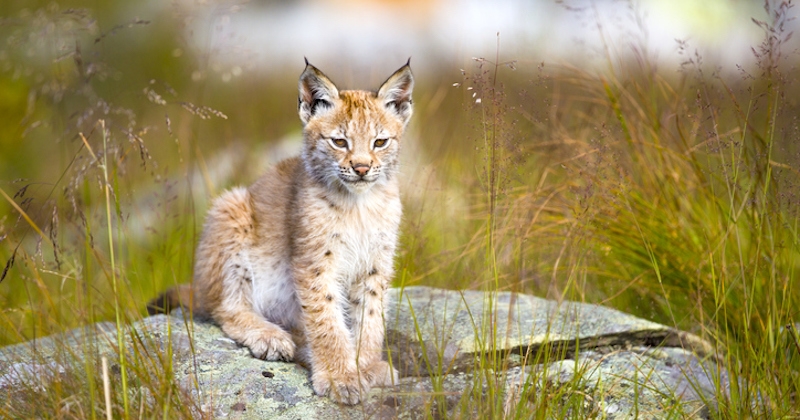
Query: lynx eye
340	143
379	143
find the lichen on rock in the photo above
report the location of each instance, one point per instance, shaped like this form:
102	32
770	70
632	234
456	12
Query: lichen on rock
459	353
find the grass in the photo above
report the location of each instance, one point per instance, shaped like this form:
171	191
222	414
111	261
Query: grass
671	196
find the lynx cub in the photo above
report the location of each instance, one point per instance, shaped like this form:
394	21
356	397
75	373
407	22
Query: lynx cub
295	267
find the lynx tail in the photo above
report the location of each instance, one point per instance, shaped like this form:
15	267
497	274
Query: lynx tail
177	297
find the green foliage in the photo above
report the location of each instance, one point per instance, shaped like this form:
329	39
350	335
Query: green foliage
672	196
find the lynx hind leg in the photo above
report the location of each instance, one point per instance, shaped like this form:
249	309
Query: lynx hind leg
224	277
380	373
241	322
265	340
302	352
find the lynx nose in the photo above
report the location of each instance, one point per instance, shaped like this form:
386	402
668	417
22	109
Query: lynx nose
361	169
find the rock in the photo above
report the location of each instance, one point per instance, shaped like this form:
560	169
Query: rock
640	382
21	372
459	354
422	323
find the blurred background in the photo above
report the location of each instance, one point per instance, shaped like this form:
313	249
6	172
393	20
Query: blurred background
538	141
641	155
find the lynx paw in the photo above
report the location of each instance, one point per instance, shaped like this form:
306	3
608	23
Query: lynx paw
272	345
380	373
347	388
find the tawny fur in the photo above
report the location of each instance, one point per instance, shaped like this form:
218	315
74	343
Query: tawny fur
295	267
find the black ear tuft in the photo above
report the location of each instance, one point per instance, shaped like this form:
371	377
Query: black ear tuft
395	93
316	92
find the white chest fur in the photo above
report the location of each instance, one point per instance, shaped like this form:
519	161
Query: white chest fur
360	232
365	234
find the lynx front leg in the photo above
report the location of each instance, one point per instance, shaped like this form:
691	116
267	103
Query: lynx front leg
368	325
332	351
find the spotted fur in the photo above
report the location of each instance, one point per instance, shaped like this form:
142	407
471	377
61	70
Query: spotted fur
295	267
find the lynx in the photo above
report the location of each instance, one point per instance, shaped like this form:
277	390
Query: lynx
295	267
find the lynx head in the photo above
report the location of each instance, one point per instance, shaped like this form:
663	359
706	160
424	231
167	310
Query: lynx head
352	137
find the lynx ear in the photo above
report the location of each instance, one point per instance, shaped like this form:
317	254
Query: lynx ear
316	93
395	93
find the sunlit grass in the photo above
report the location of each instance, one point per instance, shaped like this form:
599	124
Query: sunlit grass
671	196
